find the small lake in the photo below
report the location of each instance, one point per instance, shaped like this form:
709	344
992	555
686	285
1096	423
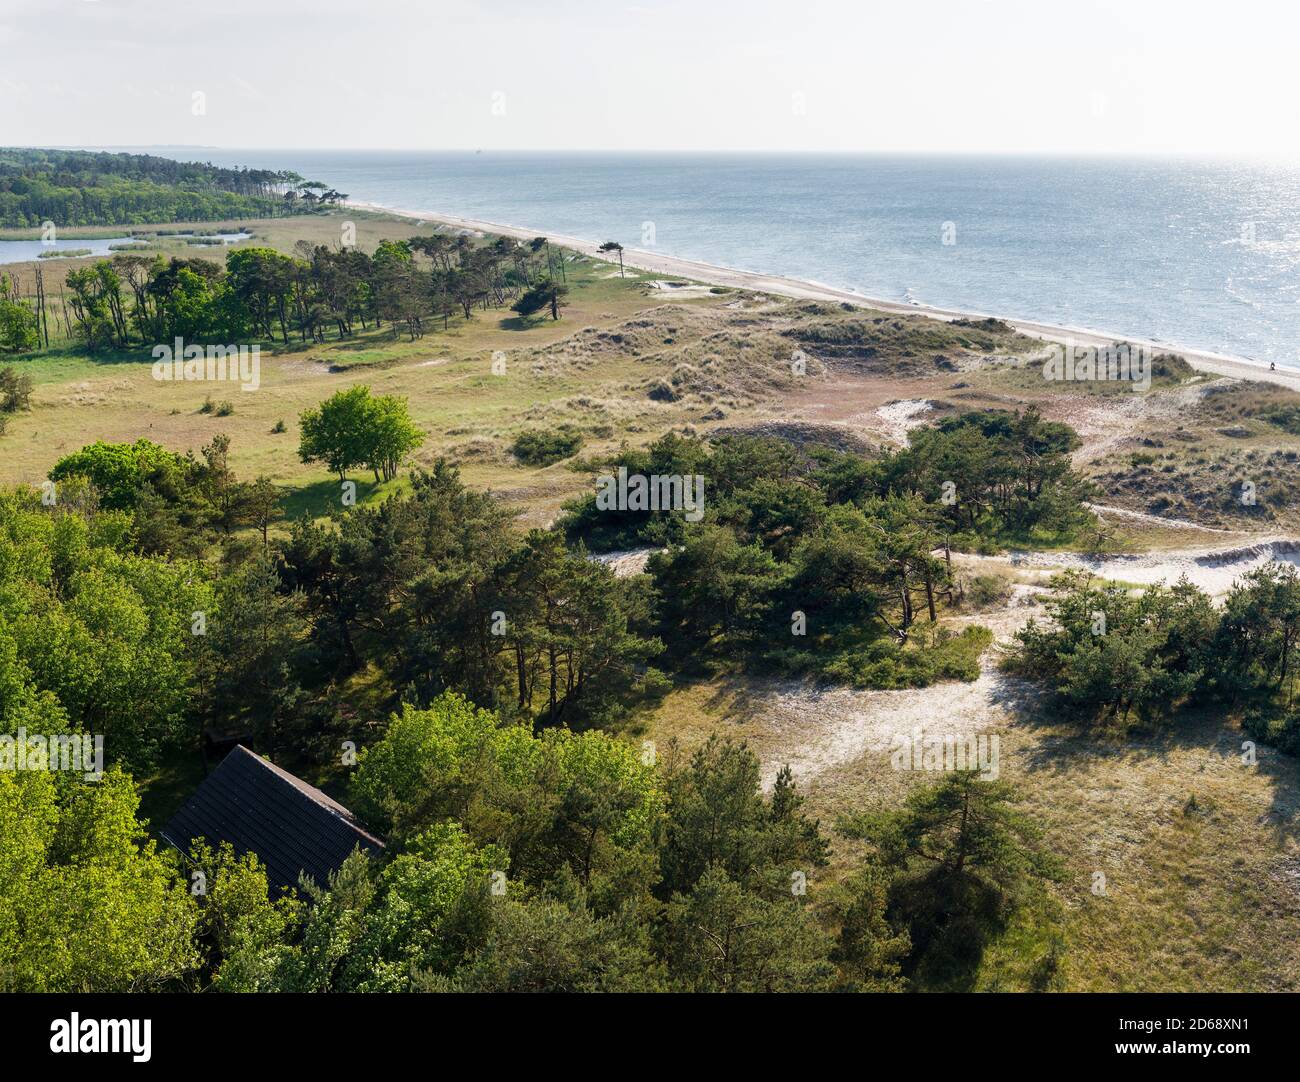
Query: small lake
25	251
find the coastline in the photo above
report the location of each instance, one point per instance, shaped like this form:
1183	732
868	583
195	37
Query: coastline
673	266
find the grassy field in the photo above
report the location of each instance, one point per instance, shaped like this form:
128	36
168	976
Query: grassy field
1199	853
625	363
447	376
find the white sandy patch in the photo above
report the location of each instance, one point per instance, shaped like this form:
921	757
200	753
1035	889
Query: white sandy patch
310	367
901	417
680	289
1213	570
815	729
1108	424
431	364
626	562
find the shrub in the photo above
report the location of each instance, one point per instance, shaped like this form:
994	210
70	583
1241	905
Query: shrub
985	591
541	447
929	657
15	390
18	328
1281	732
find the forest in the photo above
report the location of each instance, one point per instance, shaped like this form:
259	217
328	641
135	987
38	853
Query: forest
81	188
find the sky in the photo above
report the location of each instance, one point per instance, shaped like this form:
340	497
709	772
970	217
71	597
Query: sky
960	76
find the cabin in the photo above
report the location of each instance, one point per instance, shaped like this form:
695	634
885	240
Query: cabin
256	806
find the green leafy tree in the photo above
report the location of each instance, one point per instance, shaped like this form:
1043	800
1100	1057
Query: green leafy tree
15	389
583	802
337	432
19	331
351	429
614	246
118	470
245	932
86	904
392	435
723	938
1112	652
251	651
717	818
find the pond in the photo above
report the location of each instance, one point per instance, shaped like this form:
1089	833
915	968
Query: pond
24	251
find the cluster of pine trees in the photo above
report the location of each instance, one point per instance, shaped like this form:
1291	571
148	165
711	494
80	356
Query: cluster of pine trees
1117	657
261	294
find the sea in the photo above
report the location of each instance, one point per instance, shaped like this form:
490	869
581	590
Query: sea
1203	254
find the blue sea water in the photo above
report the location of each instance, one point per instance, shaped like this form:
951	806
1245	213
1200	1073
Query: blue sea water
1204	254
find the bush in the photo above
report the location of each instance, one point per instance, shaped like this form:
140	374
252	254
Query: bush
15	390
541	447
19	332
929	656
985	591
1282	732
1171	368
1110	652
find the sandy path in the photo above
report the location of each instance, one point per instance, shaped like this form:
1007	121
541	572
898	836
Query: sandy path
671	266
815	729
1154	520
625	562
1214	570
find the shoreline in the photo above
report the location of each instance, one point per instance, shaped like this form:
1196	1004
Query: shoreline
799	289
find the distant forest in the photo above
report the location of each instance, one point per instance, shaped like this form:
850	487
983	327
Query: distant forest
78	188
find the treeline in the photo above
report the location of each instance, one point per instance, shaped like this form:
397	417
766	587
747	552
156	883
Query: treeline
79	188
1118	656
434	589
132	300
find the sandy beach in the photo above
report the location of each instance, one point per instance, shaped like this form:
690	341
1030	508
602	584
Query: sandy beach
673	267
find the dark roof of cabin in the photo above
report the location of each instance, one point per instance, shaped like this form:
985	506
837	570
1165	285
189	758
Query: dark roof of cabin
257	807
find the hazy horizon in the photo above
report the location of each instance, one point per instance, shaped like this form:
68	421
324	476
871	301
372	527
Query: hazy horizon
1004	77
